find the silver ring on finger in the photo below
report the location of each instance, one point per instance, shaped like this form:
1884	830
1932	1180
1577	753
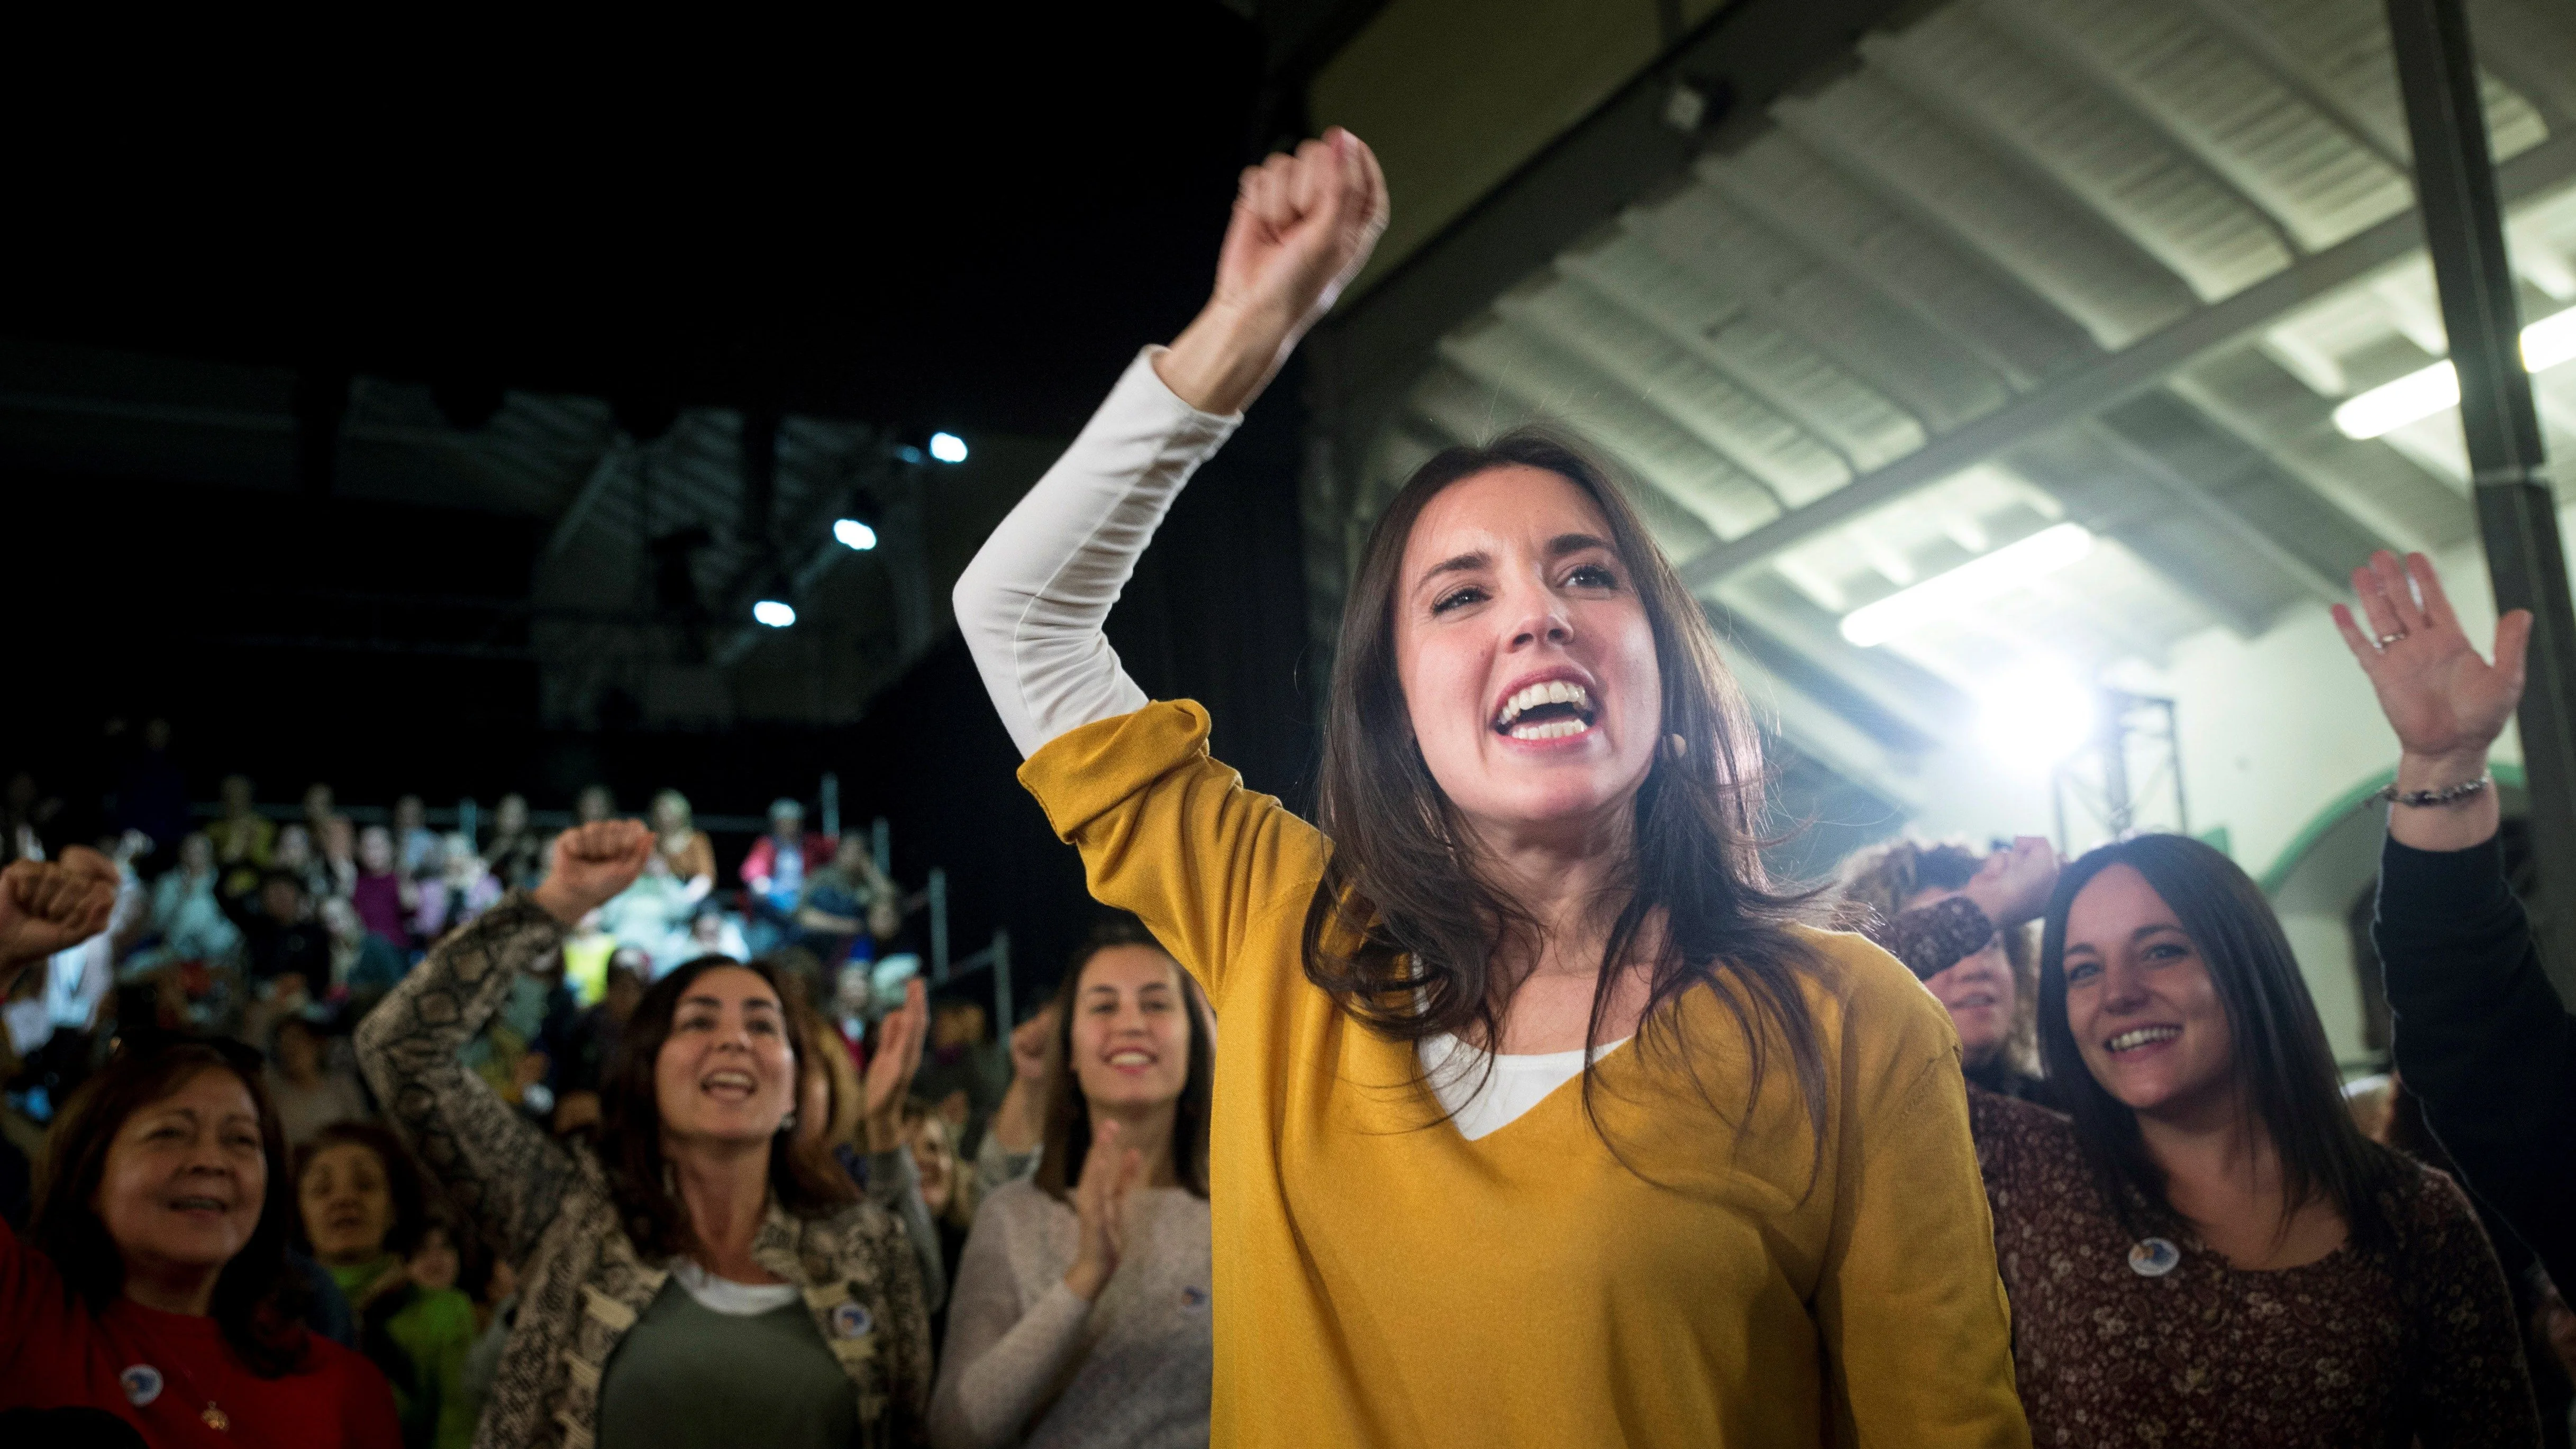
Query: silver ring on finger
2387	639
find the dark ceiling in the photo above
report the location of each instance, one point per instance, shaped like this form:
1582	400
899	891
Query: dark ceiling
963	210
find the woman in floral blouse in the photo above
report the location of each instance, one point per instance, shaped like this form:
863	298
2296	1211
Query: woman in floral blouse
2208	1252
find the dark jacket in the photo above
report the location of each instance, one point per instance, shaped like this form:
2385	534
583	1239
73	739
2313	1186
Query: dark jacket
2483	1042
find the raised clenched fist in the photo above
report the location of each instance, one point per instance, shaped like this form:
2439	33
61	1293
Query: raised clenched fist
592	863
1303	226
46	906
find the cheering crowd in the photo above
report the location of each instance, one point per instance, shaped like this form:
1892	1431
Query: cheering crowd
1542	1113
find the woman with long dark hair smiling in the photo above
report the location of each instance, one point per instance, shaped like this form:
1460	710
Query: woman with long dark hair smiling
2209	1252
1082	1302
154	1281
705	1279
1540	1118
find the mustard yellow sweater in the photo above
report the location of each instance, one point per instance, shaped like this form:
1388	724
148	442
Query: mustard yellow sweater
1379	1279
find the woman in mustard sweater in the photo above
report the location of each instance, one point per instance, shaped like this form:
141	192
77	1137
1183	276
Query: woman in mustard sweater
1539	1119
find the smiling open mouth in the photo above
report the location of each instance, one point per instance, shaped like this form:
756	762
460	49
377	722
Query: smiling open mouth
1549	710
736	1086
200	1204
2136	1037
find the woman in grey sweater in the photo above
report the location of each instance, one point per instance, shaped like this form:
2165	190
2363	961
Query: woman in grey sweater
1080	1313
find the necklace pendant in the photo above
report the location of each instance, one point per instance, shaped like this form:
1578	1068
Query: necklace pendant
216	1419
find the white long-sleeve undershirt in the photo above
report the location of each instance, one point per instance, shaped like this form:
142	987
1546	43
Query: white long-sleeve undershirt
1032	603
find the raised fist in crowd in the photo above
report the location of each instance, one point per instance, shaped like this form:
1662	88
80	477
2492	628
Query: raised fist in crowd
592	863
46	906
1303	226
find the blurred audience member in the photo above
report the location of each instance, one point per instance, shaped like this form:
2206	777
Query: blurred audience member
858	1121
1080	1314
846	907
280	936
2483	1041
366	1218
339	846
154	1282
299	856
27	816
151	794
188	913
968	1073
244	840
776	868
714	933
321	814
2554	1324
311	1091
595	803
591	1044
779	1308
2213	1197
1960	924
948	1192
516	857
363	964
684	847
460	890
413	839
651	915
384	897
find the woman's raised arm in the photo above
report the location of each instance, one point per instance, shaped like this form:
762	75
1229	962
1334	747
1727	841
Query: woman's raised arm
498	1164
1032	603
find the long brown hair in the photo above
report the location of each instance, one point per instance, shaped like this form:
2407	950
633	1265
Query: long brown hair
804	1180
2281	1055
259	1301
1403	931
1068	1130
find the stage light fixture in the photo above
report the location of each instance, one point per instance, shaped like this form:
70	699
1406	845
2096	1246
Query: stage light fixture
2037	715
776	613
854	534
1945	595
948	447
2418	395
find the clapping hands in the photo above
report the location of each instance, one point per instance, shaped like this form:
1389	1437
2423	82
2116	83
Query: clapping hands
1110	1171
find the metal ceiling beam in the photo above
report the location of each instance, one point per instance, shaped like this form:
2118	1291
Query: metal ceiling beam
1749	54
2125	373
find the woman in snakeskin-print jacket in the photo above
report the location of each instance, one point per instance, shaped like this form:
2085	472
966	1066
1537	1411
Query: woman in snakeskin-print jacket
605	1234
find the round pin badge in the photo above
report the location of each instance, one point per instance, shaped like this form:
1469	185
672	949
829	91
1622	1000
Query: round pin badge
2153	1257
851	1321
142	1384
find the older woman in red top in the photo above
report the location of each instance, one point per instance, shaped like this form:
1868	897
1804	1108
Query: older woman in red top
153	1282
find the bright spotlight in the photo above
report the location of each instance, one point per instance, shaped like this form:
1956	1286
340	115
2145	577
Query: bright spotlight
776	613
2037	716
1981	578
948	447
2428	390
855	534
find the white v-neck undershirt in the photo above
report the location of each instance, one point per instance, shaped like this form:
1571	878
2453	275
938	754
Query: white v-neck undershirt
1480	1102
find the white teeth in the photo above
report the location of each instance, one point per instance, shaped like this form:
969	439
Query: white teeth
732	1079
1553	691
1554	730
2141	1036
1129	1059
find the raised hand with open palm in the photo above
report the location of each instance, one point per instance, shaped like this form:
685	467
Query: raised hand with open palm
2446	702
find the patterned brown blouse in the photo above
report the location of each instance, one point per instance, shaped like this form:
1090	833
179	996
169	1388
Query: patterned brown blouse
2417	1344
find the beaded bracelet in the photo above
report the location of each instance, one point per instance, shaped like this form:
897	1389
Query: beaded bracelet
2447	795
